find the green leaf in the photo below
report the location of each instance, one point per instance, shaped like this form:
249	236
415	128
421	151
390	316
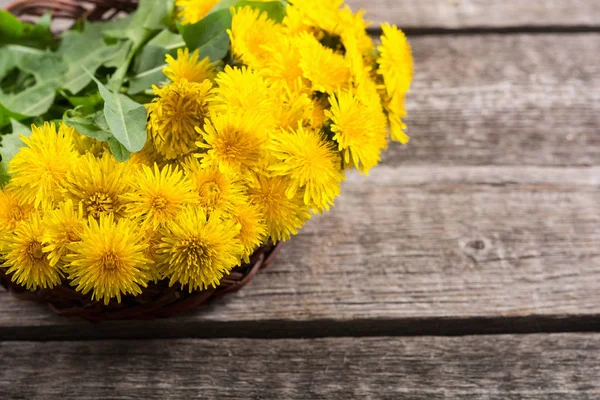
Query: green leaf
87	125
118	150
141	26
33	101
13	31
11	144
275	9
85	50
150	62
125	118
209	35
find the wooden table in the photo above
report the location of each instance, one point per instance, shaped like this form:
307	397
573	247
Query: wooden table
467	266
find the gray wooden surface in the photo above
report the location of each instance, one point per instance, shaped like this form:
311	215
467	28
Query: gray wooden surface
549	367
488	222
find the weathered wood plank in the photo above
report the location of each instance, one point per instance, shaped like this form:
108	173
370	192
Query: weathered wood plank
503	100
407	243
457	14
549	367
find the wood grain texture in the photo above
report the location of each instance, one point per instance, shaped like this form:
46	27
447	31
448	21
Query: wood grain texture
503	100
421	243
549	367
460	14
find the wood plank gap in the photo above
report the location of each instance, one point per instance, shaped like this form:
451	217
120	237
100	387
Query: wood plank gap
318	328
482	30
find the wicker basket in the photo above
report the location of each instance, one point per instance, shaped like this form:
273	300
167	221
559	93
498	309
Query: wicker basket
158	299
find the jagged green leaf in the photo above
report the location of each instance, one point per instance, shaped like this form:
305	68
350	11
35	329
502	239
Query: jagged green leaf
150	62
13	31
125	118
209	35
11	143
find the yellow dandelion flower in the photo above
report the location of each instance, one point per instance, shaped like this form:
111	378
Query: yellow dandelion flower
359	127
395	61
109	259
293	106
39	168
192	11
282	62
317	117
313	56
218	193
252	29
244	89
11	212
253	230
174	113
197	251
187	67
62	226
99	184
312	165
313	15
84	144
396	112
23	254
154	238
158	195
283	215
234	142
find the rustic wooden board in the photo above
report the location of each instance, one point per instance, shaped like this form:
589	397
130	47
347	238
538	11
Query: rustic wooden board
503	100
549	367
460	14
402	246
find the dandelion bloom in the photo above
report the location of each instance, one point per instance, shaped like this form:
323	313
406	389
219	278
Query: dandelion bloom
283	215
98	184
158	195
197	251
395	61
39	168
233	141
23	255
192	11
187	67
218	193
109	260
253	229
62	226
312	164
11	211
359	129
174	113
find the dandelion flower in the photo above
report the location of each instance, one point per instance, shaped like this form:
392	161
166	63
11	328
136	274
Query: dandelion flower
99	184
39	168
174	113
314	15
62	226
187	67
396	112
192	11
314	56
158	195
23	254
244	89
251	30
234	142
84	144
311	163
197	251
218	193
359	128
11	212
109	260
294	106
253	230
283	215
395	61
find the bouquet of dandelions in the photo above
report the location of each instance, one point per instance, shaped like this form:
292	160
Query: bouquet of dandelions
168	146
